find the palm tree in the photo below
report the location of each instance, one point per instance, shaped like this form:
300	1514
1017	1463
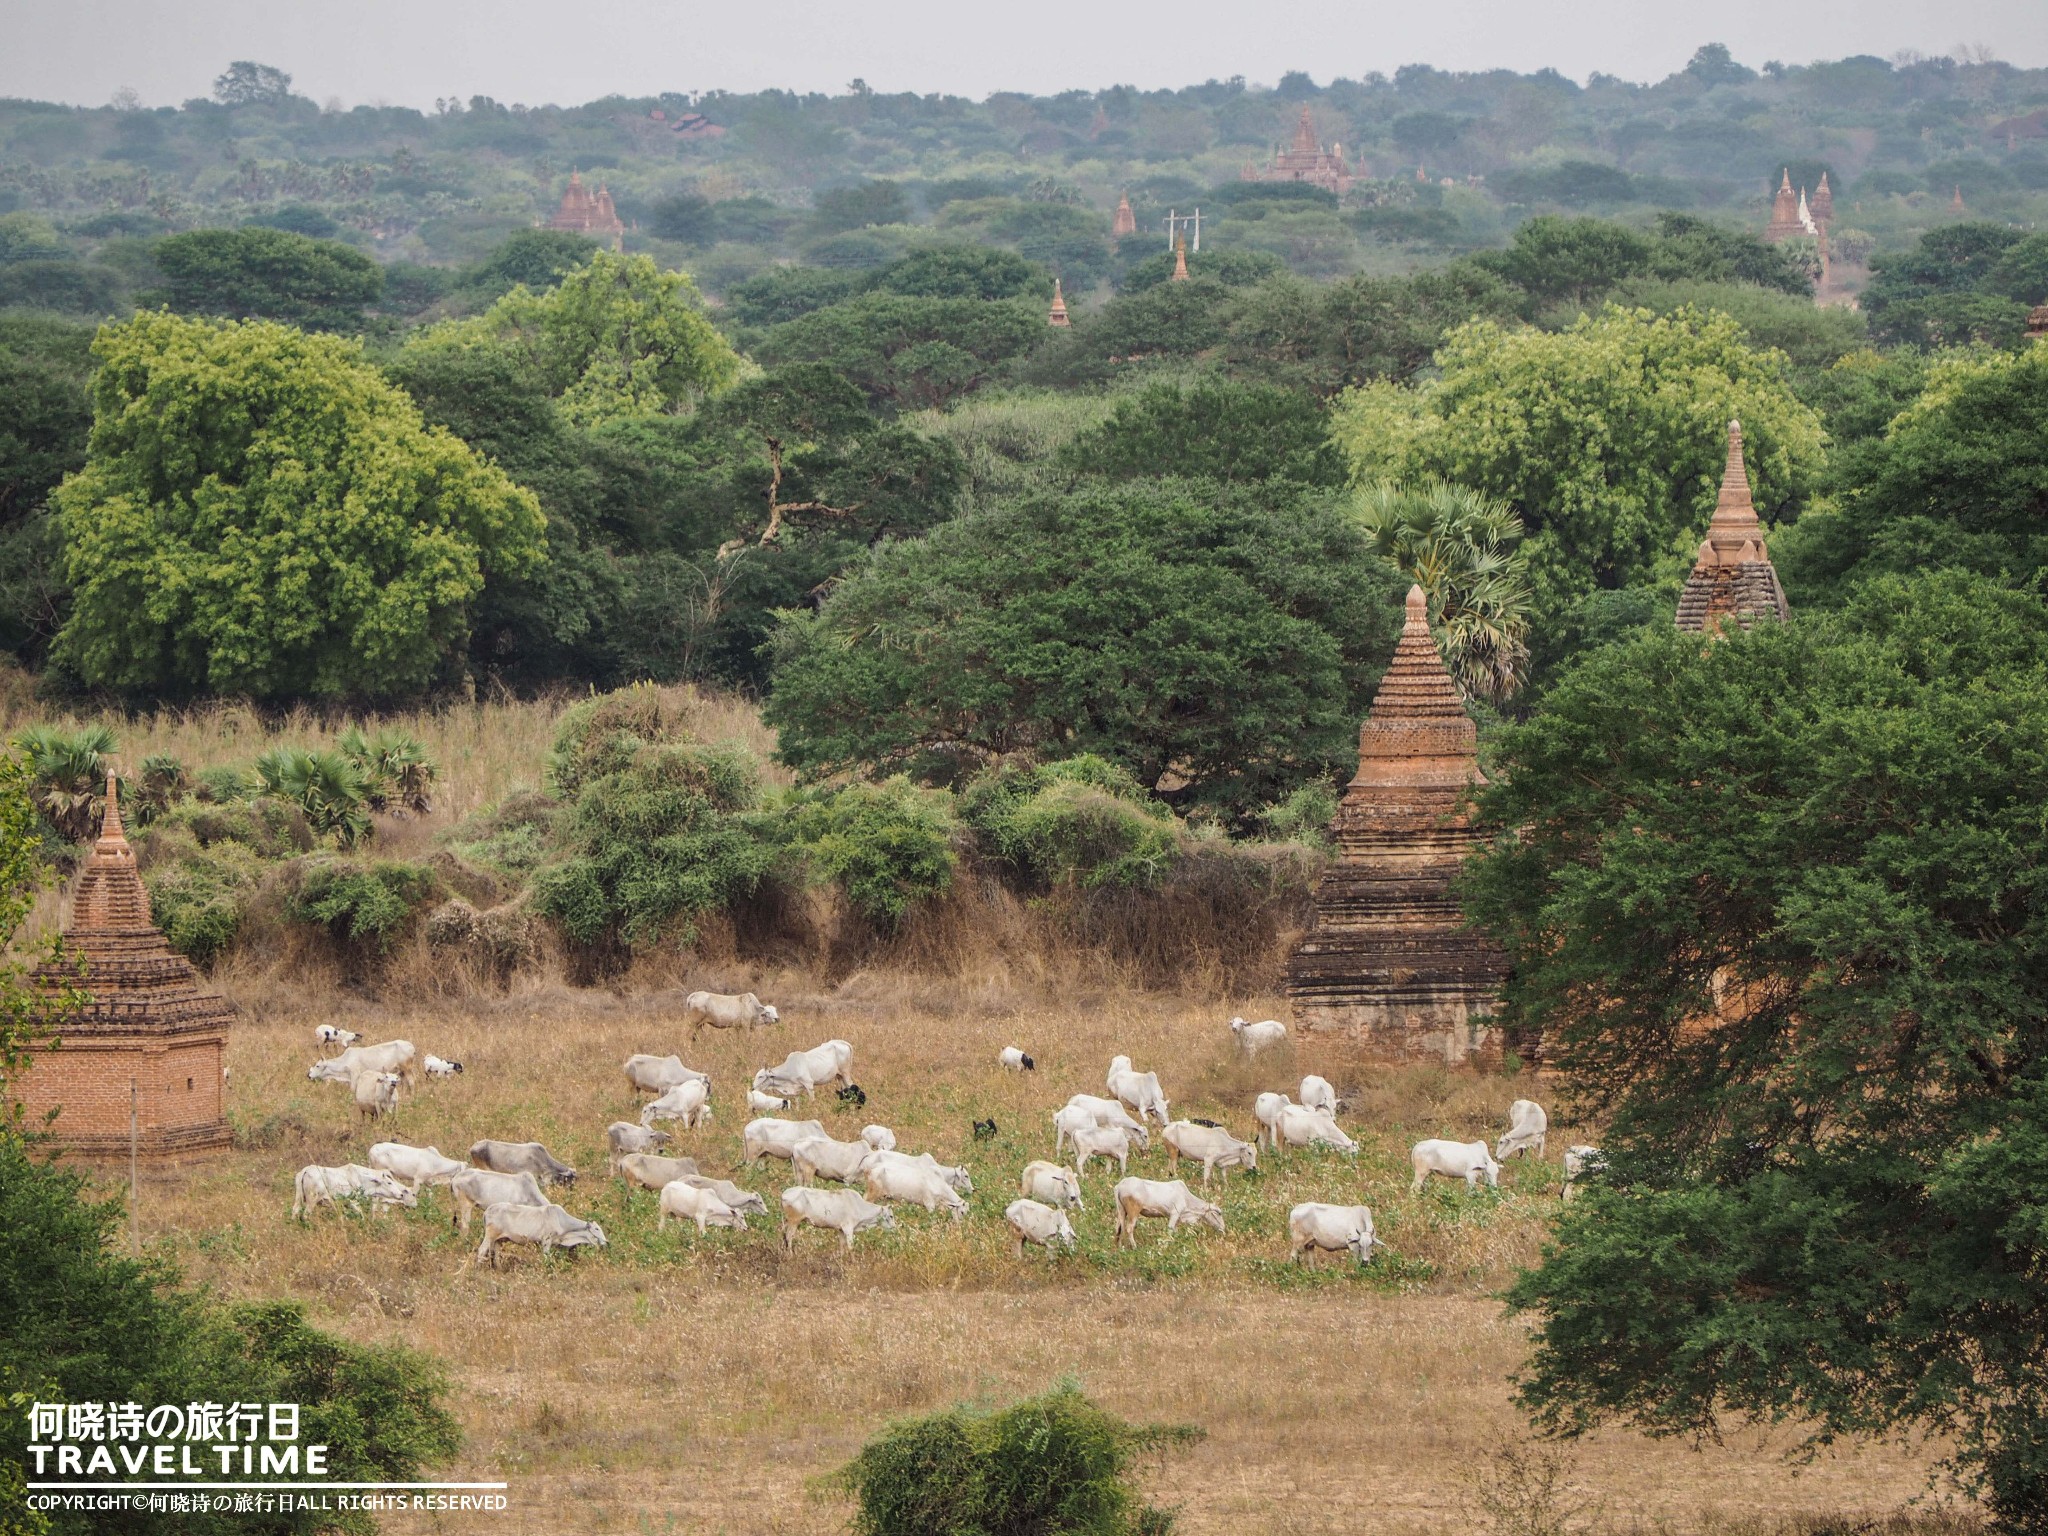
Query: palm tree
397	773
326	787
69	769
1464	550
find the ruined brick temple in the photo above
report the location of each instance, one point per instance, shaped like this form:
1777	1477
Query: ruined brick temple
142	1017
585	212
1733	580
1389	962
1306	160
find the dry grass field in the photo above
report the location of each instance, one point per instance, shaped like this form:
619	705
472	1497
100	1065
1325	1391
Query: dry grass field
678	1383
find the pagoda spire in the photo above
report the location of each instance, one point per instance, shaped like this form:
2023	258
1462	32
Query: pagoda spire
1732	578
1058	315
1180	260
1125	222
1305	142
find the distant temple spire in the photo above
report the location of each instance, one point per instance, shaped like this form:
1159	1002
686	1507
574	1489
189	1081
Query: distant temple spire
1180	260
1306	160
1823	203
1955	203
1784	223
1125	222
589	213
1058	314
1733	579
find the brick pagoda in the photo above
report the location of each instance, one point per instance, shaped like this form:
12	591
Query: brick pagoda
143	1017
1389	961
589	213
1306	160
1733	580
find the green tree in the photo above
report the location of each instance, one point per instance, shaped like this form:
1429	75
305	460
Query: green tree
859	206
245	84
1326	337
267	274
1607	439
889	846
1463	550
1772	906
302	535
45	414
69	771
1214	429
535	258
908	352
1572	261
685	217
1219	644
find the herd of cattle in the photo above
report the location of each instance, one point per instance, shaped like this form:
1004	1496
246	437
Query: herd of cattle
508	1183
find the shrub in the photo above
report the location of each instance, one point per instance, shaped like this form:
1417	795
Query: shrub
1082	822
396	771
512	837
889	845
269	827
198	897
221	785
1303	817
1055	1463
327	788
162	785
361	902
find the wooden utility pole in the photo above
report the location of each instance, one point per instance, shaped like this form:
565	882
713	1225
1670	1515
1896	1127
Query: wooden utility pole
134	1192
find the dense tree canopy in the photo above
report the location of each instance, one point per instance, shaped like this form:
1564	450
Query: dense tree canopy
1773	905
261	513
910	352
268	274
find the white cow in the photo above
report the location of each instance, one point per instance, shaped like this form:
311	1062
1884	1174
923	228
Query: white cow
477	1189
1031	1222
1254	1038
841	1210
334	1035
880	1137
1527	1126
741	1200
1137	1198
316	1186
913	1184
1316	1093
1139	1090
1100	1141
658	1074
390	1056
1467	1160
770	1137
1266	1110
1014	1060
436	1067
1211	1146
958	1177
817	1157
811	1070
1581	1162
1300	1126
623	1138
1052	1184
727	1010
1104	1112
1331	1229
766	1103
650	1170
688	1102
414	1165
376	1094
547	1225
521	1157
694	1202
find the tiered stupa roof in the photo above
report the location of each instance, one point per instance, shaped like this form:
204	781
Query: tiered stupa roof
1125	222
1785	224
1058	314
1733	578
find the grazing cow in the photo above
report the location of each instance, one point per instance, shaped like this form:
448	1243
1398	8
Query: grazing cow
1331	1229
958	1177
818	1157
913	1184
1581	1162
770	1137
880	1137
521	1157
1527	1126
650	1170
809	1070
376	1094
547	1226
623	1138
766	1103
334	1035
694	1202
1213	1148
1316	1093
436	1067
316	1186
1254	1038
391	1056
1014	1060
1100	1141
1266	1110
1137	1198
1467	1160
414	1165
1104	1112
1052	1184
1300	1126
741	1200
840	1210
658	1074
1031	1222
475	1190
725	1010
688	1102
1139	1090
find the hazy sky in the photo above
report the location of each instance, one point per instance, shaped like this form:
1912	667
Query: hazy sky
411	51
